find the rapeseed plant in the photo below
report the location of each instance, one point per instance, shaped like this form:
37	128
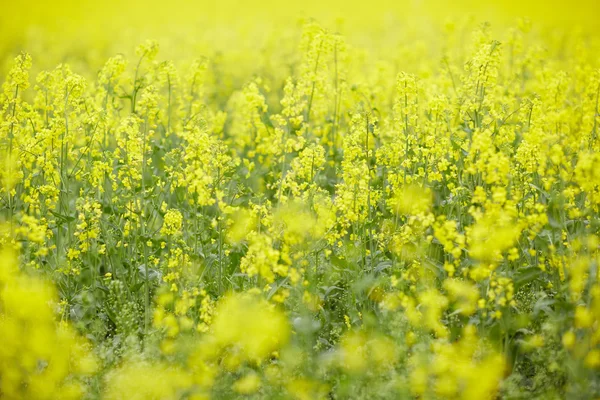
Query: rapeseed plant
352	208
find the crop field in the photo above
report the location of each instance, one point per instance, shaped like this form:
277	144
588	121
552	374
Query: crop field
322	200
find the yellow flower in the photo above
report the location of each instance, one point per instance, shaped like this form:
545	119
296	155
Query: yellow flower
173	221
248	384
248	326
568	339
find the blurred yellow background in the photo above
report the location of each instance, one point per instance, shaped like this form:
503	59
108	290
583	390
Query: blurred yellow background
104	18
65	30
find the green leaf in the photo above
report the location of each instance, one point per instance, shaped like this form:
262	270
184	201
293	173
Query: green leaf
526	275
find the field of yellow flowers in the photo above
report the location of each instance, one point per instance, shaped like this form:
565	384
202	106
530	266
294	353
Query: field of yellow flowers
316	201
